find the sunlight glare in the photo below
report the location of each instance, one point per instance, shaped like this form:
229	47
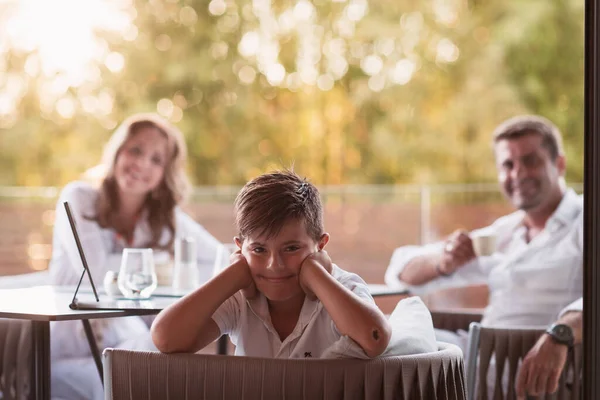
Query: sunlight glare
62	31
447	51
403	71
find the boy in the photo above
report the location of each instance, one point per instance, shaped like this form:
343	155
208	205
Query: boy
281	296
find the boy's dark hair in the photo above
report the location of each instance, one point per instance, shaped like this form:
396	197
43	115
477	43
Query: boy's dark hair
522	125
267	202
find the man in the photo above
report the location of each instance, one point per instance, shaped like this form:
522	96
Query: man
535	273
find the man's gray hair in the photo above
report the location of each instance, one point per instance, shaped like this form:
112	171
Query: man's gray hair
522	125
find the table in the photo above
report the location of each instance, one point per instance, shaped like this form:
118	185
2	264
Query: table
378	290
42	304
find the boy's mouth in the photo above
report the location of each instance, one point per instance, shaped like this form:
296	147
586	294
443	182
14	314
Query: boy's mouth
277	279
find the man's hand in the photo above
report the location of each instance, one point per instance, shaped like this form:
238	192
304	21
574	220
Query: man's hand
318	259
246	284
541	368
458	250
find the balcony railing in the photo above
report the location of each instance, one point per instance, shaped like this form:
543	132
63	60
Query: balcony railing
366	222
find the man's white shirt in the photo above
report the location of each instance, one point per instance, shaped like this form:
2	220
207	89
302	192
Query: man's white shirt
531	283
248	324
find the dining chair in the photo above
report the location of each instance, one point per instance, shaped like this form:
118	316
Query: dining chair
15	359
504	348
143	375
455	320
16	365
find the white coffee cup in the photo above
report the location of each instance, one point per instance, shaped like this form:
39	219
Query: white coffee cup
484	245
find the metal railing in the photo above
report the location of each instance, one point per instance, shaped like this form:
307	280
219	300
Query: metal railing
367	221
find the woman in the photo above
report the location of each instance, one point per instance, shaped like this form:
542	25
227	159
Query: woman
136	205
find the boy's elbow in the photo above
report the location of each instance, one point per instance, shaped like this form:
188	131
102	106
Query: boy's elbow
158	338
162	340
378	341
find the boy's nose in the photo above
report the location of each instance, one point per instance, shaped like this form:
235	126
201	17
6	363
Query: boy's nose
275	262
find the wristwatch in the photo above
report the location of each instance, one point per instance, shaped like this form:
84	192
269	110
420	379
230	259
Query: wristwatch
561	333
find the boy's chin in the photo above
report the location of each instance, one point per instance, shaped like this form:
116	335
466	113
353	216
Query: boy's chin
282	294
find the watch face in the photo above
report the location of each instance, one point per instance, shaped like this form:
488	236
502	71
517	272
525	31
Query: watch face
561	333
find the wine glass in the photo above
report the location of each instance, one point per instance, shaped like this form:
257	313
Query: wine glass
137	278
222	260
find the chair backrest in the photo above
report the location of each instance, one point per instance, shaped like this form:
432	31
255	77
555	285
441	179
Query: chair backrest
16	364
143	375
507	347
15	359
454	320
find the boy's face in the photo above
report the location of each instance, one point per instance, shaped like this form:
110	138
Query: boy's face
275	262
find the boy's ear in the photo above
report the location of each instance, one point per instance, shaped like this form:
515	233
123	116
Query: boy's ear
238	242
323	241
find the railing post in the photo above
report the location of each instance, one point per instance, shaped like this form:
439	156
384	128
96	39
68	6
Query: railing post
425	217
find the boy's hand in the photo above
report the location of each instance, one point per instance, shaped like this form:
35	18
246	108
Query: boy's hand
240	265
319	259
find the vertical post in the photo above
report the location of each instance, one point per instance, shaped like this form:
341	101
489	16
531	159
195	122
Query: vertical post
591	226
89	334
222	345
41	359
425	217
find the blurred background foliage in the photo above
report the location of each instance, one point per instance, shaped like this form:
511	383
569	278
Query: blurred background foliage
349	91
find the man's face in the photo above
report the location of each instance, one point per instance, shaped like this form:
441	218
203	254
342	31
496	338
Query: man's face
526	172
275	262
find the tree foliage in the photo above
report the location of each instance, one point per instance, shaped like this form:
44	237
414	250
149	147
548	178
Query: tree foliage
378	92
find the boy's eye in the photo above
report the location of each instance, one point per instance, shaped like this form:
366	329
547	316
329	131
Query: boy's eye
258	250
292	248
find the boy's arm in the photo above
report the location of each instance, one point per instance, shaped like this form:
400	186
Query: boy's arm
354	317
187	325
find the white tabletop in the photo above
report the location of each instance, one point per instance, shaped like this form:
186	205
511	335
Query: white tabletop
379	290
376	289
51	303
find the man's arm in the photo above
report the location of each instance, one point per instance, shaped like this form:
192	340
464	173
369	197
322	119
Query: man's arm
354	317
458	250
542	366
187	325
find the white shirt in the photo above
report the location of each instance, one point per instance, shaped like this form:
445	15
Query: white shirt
530	283
103	251
248	324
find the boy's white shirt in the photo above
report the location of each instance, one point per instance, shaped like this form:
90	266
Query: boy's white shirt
248	324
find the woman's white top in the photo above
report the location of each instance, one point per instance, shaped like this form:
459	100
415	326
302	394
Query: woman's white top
103	249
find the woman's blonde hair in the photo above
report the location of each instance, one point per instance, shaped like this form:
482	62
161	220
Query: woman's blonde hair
161	202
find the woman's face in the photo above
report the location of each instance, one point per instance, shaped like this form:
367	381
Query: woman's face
140	165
